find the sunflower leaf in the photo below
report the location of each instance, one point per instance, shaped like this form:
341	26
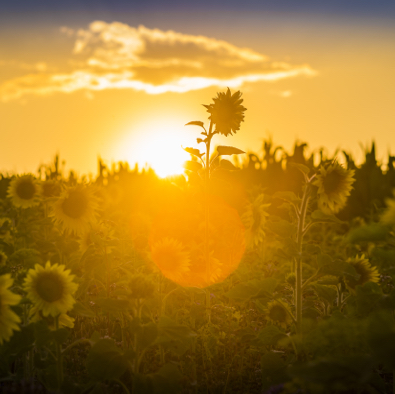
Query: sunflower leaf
195	123
301	167
287	196
194	152
228	150
326	293
192	165
320	217
227	165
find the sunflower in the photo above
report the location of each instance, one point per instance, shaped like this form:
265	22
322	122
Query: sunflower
278	313
366	272
254	219
334	186
171	258
226	112
75	209
50	288
24	191
8	319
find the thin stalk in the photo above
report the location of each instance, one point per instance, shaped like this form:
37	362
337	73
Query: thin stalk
59	358
298	259
206	217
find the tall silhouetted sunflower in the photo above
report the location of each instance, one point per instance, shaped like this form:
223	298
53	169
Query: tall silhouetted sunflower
75	209
278	313
254	219
364	269
24	191
50	288
8	319
226	112
171	258
334	186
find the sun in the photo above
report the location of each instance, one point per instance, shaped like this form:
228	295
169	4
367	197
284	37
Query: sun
157	144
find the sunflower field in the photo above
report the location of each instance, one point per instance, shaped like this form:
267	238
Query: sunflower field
251	273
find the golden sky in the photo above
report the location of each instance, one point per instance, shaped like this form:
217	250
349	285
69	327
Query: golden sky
125	89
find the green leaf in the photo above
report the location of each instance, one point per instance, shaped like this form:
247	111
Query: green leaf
253	289
371	233
339	268
82	310
174	336
301	167
270	335
324	260
194	152
326	293
287	196
368	298
311	249
147	335
195	123
227	165
60	335
273	369
320	217
167	380
192	165
282	227
113	305
105	361
228	150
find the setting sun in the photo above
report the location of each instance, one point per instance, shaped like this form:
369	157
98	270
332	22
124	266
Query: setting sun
157	144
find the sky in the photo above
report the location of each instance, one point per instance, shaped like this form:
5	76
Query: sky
120	79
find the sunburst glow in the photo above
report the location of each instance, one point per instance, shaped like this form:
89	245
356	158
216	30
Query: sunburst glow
157	144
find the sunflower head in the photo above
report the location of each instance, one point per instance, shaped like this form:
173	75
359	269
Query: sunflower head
75	209
171	258
278	313
334	185
9	320
226	112
51	289
366	272
24	191
254	219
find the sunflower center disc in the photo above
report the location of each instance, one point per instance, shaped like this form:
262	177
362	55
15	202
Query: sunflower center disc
25	190
332	182
49	287
75	205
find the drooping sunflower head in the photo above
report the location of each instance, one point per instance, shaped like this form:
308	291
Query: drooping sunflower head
226	112
254	219
334	185
278	313
75	209
24	191
364	269
9	320
50	288
171	258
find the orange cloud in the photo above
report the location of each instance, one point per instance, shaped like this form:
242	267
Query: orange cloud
118	56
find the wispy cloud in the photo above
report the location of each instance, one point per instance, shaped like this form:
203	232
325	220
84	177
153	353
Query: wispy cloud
118	56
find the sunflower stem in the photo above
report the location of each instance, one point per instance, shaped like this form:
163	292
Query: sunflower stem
59	357
206	214
298	259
